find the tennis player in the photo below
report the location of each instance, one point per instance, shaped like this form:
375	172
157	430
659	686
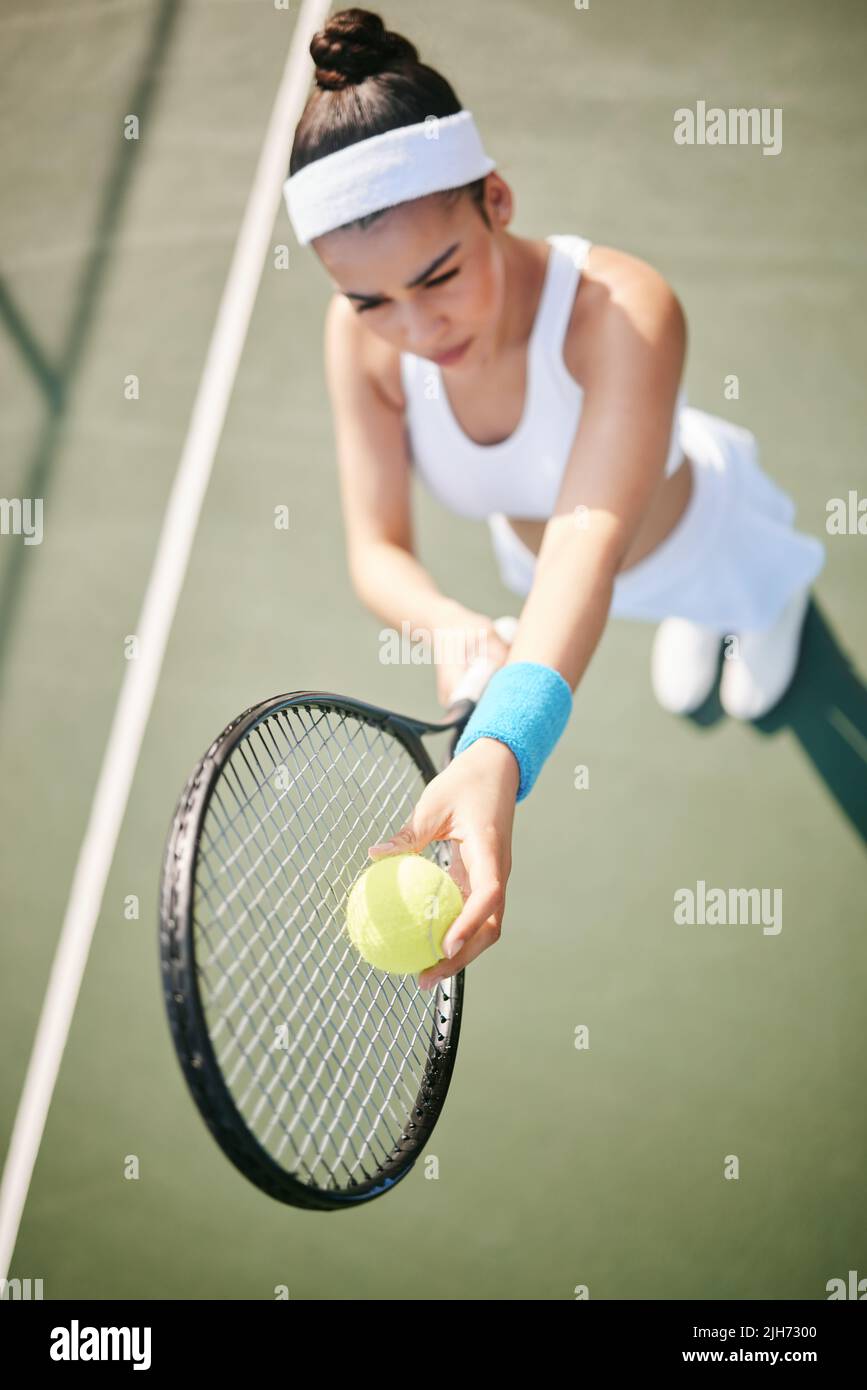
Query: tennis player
534	385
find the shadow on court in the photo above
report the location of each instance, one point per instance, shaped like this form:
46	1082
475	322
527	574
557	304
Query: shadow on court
826	709
57	379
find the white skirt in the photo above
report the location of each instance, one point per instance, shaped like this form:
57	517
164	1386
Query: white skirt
732	561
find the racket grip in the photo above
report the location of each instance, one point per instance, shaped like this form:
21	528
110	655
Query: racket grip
474	680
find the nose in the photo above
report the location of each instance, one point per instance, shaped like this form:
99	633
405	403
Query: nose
422	330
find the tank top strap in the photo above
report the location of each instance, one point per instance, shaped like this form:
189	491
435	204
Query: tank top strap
568	256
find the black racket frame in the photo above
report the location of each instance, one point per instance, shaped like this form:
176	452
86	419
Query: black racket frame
180	984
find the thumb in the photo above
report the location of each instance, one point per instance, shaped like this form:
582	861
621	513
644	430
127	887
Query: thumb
417	832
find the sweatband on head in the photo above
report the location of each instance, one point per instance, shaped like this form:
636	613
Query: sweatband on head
408	162
526	706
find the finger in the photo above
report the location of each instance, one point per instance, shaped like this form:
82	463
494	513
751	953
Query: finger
486	936
458	869
483	902
423	826
447	689
486	898
401	842
495	650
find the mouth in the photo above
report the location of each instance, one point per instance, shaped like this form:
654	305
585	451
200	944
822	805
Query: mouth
445	359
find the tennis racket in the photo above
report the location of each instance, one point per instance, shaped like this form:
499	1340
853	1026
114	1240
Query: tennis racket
320	1077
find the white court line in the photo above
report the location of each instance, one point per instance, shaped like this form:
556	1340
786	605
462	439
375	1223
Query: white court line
154	627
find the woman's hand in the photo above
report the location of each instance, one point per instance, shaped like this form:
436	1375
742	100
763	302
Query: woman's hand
471	802
481	640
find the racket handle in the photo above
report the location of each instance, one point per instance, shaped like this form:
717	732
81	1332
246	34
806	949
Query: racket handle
474	680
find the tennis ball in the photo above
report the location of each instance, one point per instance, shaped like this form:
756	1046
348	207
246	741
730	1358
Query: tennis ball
398	912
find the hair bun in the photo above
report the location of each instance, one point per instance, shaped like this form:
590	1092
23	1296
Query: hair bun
356	44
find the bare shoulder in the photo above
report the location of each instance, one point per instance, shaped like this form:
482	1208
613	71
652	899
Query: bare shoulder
620	296
351	350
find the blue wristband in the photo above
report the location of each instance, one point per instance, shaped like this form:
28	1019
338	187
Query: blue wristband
526	706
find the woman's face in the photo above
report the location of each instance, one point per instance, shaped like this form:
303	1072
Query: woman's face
427	278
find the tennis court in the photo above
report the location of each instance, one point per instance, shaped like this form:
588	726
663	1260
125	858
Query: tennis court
558	1166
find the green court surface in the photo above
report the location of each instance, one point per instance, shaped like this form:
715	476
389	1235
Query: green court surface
559	1167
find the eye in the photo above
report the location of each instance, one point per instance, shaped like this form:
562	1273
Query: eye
428	284
440	279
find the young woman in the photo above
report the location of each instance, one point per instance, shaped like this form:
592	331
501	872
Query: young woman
535	385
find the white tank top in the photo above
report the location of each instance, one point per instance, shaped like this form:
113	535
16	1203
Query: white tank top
521	475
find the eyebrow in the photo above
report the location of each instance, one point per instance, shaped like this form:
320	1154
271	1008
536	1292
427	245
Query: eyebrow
410	284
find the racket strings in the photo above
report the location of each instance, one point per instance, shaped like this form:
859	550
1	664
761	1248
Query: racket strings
324	1057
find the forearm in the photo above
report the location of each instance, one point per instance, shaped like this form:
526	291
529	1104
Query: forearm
396	587
527	703
564	616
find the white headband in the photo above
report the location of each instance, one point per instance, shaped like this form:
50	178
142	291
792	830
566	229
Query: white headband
439	152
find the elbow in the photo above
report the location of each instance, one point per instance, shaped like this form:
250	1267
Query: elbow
357	566
359	578
675	332
364	559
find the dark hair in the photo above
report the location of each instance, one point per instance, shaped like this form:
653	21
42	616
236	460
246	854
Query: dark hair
369	80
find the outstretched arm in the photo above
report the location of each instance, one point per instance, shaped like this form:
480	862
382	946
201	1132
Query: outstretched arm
374	471
615	466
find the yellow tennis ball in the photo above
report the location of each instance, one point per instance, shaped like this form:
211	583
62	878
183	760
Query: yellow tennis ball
398	912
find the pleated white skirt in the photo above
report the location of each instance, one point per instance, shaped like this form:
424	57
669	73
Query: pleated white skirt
732	561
